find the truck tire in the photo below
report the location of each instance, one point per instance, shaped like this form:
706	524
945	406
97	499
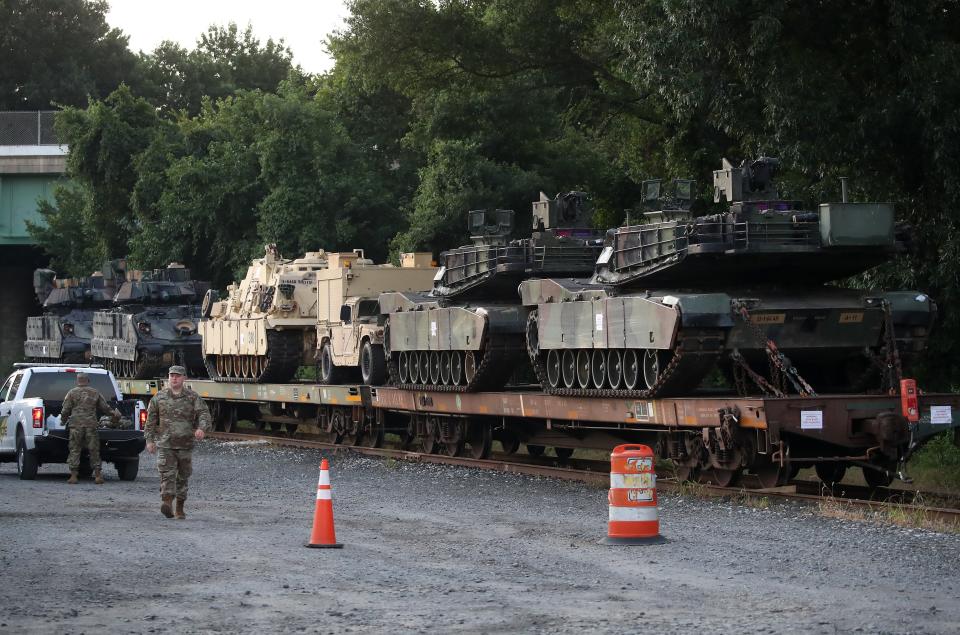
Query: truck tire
373	364
26	461
328	372
127	468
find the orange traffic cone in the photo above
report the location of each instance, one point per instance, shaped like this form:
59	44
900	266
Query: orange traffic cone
323	535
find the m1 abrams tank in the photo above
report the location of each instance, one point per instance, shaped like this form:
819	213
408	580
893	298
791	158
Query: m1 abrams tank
62	334
152	325
678	295
468	333
267	327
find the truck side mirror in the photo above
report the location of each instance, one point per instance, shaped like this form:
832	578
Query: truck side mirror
345	313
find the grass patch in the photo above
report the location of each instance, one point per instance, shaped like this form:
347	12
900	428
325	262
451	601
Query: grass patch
937	465
900	515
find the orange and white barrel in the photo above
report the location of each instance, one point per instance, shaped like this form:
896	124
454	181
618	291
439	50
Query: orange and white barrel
634	516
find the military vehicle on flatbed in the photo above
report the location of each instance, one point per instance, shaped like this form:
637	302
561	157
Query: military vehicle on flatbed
349	324
743	291
267	327
469	330
152	325
63	332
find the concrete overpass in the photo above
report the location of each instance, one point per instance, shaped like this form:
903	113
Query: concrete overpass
31	163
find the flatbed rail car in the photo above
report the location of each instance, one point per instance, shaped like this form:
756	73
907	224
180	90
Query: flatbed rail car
713	439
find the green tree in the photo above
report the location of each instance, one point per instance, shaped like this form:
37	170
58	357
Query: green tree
59	52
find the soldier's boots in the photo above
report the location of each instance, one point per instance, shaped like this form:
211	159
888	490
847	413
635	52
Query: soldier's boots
99	479
180	514
73	479
166	507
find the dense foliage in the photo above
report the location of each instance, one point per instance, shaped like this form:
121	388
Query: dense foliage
437	107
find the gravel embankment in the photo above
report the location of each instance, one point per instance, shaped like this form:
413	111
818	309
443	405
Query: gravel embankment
439	549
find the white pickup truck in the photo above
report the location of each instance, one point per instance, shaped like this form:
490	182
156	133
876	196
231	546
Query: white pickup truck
32	434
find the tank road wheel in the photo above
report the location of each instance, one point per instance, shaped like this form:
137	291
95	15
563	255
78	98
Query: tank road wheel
456	368
480	438
553	368
445	368
583	368
245	366
373	364
469	366
218	365
413	366
614	368
877	477
435	368
424	367
652	367
831	473
402	368
535	450
598	368
569	367
631	369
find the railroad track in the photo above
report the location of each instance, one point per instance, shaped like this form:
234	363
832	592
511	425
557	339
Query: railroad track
597	473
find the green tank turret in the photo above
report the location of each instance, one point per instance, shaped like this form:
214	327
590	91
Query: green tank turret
152	325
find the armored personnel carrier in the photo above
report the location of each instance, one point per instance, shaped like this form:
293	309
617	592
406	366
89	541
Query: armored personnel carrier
152	325
349	325
676	296
468	332
267	327
62	334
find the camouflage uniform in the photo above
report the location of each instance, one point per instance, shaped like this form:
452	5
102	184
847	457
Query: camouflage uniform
81	409
171	422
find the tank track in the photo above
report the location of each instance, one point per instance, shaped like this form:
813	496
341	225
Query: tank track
284	356
690	363
497	351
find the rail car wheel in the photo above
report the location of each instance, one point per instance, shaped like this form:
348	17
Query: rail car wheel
631	369
720	477
373	432
685	473
275	427
402	367
563	453
428	440
535	450
509	441
445	368
480	438
584	368
830	473
553	368
452	448
771	473
598	368
568	366
469	366
435	368
352	431
332	432
877	477
456	368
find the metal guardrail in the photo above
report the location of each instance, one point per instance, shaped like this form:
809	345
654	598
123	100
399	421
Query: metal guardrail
28	128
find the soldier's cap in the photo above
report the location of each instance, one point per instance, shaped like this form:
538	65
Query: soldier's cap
83	378
177	370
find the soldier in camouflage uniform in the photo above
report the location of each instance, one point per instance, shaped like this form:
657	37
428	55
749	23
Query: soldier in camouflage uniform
81	409
176	416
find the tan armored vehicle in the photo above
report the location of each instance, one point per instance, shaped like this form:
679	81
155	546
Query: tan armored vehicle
349	325
267	327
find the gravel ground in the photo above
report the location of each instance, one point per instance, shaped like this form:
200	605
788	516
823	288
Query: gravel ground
440	549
